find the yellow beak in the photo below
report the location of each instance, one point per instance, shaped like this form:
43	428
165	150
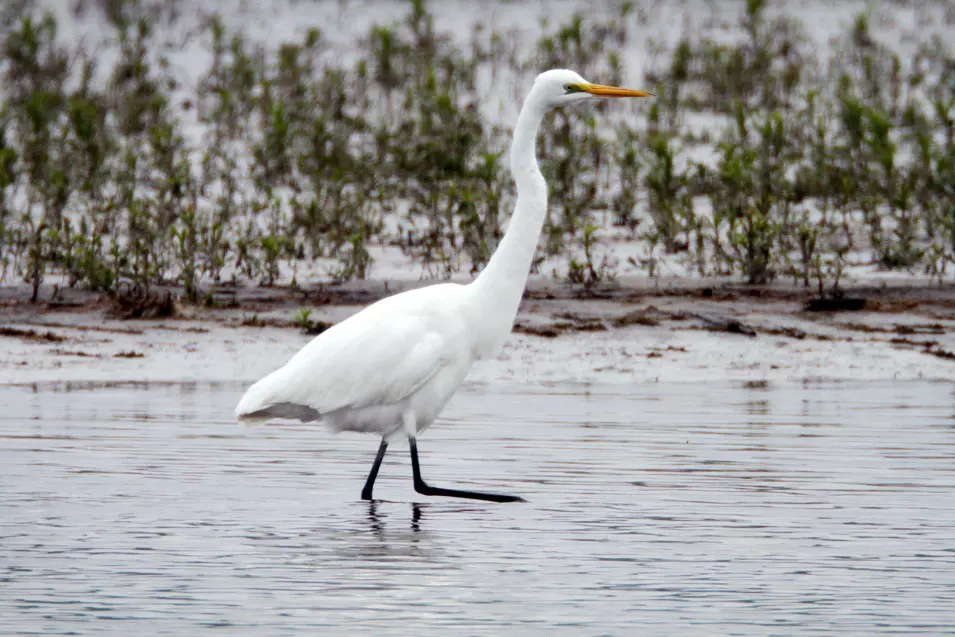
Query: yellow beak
613	91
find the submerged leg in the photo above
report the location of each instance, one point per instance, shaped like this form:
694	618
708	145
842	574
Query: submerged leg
421	487
370	482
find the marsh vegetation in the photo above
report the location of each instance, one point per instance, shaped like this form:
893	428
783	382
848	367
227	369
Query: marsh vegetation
116	176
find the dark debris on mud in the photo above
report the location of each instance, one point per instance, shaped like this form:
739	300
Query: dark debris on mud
128	354
143	305
32	335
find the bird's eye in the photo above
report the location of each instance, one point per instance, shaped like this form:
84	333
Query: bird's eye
571	88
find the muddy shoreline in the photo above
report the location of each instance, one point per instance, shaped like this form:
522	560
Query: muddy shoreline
639	330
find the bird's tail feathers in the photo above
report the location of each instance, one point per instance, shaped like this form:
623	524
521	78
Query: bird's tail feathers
260	396
262	403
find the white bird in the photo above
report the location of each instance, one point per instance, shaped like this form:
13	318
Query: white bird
391	368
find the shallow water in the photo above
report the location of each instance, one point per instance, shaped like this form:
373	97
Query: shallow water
656	509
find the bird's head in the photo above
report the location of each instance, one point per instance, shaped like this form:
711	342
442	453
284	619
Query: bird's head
563	86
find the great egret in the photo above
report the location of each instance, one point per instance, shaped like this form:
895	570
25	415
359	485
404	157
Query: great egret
391	368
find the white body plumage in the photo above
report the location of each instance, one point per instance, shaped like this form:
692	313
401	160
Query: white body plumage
405	353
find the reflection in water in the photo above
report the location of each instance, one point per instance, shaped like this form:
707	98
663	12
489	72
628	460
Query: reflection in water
416	517
376	523
374	518
658	509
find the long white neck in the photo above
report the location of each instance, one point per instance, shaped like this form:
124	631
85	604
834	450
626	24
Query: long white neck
498	290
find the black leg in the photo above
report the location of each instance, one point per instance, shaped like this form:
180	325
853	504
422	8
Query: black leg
370	482
421	487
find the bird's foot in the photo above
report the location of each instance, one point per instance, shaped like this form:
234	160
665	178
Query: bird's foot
425	489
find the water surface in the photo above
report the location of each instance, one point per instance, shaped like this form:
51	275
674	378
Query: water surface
653	510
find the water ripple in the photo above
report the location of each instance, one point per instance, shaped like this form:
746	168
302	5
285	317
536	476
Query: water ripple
659	510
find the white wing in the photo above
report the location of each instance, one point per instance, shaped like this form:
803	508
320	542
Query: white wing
372	358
